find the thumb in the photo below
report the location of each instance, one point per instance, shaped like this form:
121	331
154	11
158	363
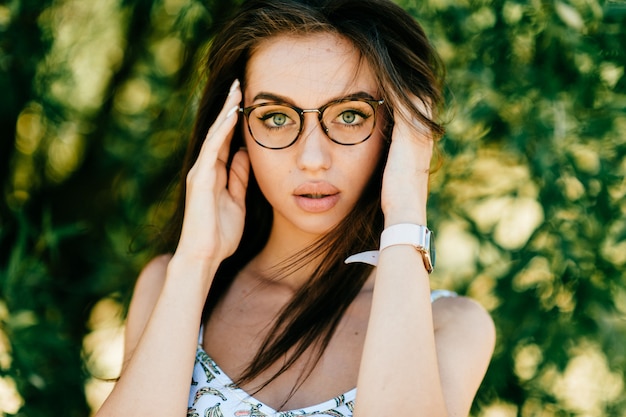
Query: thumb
238	176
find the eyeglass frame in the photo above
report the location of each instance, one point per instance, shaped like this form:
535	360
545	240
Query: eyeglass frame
320	111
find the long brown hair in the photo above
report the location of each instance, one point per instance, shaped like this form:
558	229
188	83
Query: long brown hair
396	48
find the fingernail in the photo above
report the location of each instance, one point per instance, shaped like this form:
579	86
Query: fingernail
232	111
233	86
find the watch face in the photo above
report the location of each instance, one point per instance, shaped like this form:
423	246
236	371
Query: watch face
432	249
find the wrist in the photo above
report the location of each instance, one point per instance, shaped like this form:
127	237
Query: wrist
405	216
193	270
409	234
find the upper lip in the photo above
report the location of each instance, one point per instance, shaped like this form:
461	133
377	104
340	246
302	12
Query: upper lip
316	188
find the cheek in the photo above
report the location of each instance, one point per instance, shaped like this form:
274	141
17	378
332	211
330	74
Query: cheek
265	167
255	152
374	153
258	163
247	139
364	165
378	157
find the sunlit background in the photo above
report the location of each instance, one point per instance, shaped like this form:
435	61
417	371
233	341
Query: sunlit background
529	206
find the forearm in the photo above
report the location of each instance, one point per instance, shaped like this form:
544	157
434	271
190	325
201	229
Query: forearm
399	373
157	376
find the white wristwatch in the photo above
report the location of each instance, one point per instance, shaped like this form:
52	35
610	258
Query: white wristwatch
402	234
411	234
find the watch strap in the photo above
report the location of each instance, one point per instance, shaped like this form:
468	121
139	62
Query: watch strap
406	234
414	235
370	257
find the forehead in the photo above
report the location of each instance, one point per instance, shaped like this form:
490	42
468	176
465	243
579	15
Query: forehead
308	70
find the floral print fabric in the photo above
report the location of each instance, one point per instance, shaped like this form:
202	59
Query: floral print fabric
213	393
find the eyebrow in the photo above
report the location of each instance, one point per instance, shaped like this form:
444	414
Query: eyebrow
275	97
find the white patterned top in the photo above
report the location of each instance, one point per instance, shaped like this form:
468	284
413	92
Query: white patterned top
213	393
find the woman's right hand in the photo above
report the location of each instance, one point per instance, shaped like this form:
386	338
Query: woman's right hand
215	199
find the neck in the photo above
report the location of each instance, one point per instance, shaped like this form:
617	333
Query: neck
275	262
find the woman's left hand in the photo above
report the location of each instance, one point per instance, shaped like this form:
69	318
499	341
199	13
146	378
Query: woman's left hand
405	179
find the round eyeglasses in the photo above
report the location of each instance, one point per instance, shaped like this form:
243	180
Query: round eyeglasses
277	125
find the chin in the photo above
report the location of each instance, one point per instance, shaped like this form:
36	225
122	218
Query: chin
315	225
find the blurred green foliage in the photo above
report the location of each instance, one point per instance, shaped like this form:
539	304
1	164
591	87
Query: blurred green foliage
529	204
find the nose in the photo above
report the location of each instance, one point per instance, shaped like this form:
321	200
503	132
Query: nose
313	145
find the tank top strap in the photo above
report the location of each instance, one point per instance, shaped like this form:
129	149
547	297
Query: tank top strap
201	335
437	294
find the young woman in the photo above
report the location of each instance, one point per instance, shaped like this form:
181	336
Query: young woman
313	139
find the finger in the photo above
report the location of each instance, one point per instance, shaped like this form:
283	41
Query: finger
410	123
224	150
217	140
411	144
239	175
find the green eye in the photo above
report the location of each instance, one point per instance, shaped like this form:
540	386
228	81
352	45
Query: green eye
279	119
275	119
348	117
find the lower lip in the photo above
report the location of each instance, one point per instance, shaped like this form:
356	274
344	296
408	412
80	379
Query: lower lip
317	205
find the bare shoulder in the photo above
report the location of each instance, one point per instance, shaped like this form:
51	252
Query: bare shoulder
147	290
455	313
151	278
463	319
465	337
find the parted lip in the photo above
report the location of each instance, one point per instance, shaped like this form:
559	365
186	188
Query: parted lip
315	189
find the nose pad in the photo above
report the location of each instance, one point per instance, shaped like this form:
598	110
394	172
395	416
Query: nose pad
314	123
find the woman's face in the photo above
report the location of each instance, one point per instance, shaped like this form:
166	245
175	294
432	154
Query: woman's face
314	183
